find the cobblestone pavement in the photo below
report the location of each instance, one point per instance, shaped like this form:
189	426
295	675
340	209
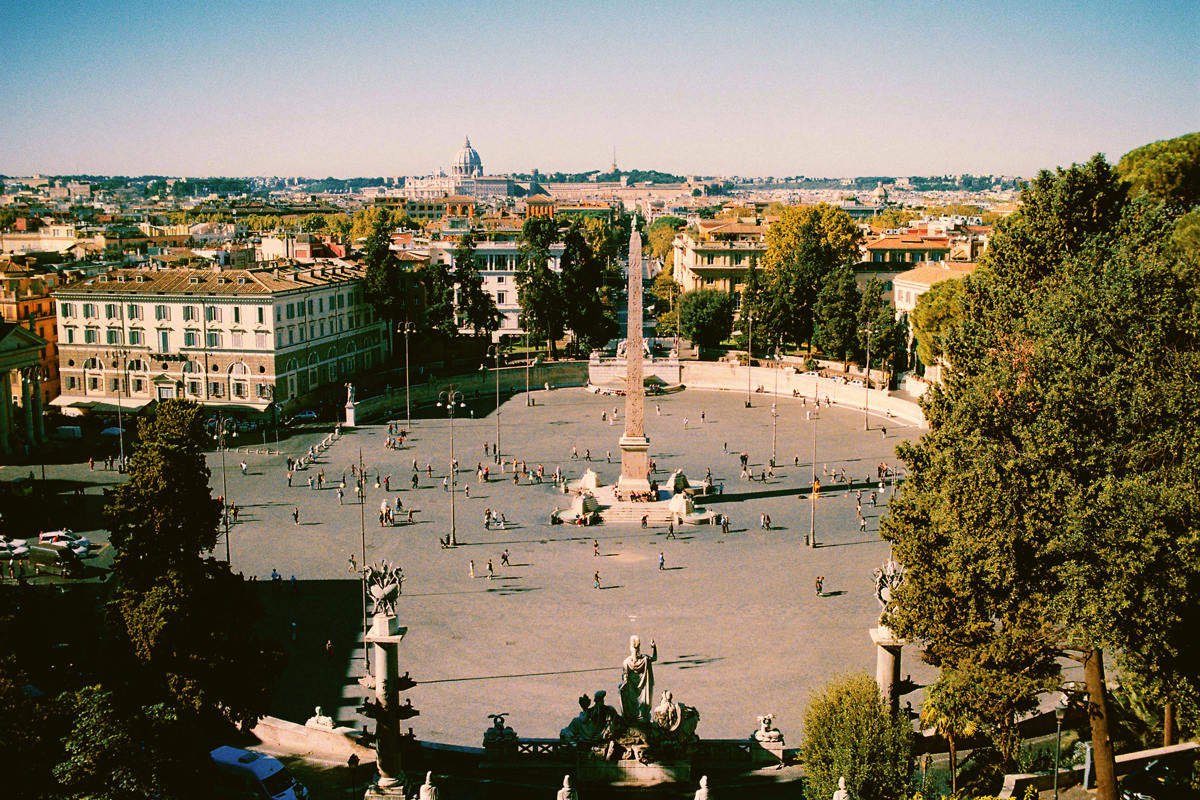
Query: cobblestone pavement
739	629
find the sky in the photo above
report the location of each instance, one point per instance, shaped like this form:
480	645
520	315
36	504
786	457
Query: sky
386	87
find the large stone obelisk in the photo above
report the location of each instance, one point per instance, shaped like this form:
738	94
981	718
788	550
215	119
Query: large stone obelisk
635	447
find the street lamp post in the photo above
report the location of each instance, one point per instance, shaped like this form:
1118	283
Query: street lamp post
867	383
361	484
749	355
121	354
1060	710
495	351
222	430
812	519
774	413
449	399
408	328
528	399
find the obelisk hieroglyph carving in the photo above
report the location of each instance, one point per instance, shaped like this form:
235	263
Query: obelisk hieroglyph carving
635	447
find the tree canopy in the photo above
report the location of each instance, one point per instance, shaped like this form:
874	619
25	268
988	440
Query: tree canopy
539	289
932	318
706	316
476	307
1052	508
802	247
1168	171
836	314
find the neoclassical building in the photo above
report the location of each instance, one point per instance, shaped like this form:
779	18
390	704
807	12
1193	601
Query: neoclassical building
466	178
242	339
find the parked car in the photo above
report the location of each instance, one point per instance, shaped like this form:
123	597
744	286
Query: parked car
64	537
305	416
14	548
55	559
244	773
13	542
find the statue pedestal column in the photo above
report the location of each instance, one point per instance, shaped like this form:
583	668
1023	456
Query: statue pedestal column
350	415
635	464
385	638
887	665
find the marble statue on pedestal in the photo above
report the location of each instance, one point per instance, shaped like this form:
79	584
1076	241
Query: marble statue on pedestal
349	394
319	720
841	793
428	790
637	681
675	721
702	792
766	731
566	792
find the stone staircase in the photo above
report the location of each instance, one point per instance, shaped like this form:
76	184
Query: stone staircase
632	513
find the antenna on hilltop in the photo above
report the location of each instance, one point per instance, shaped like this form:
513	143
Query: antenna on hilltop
613	168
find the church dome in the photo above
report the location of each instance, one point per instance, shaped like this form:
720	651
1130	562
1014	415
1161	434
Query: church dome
880	194
467	163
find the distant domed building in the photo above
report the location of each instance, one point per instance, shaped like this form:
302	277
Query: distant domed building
879	196
466	178
467	163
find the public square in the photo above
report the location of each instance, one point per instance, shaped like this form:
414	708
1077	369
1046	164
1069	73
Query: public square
739	628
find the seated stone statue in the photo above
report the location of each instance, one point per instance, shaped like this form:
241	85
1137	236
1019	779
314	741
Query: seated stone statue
766	732
499	732
673	721
595	724
702	792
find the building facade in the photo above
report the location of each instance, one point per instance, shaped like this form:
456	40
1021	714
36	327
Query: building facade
717	254
25	299
258	341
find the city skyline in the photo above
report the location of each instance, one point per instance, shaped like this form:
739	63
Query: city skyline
391	89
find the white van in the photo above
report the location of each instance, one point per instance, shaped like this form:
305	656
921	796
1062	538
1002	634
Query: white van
244	773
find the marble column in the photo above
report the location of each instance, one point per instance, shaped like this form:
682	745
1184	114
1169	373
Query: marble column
5	416
887	665
27	407
385	637
39	414
635	447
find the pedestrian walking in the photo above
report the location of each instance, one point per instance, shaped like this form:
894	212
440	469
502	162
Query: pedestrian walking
702	415
596	578
873	500
310	482
645	521
671	529
329	649
595	548
467	490
662	561
296	515
340	495
471	570
445	484
504	559
415	479
289	478
820	584
491	570
862	523
243	466
353	564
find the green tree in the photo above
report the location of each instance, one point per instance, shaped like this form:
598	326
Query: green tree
476	307
805	245
189	619
706	316
893	218
836	314
582	279
383	285
661	235
439	299
936	311
849	733
118	752
950	709
313	223
539	289
888	334
1168	171
665	292
1050	511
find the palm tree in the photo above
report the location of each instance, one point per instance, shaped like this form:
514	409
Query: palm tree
947	711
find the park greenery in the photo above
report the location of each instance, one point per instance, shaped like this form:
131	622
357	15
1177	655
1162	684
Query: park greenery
176	666
706	316
849	733
1051	510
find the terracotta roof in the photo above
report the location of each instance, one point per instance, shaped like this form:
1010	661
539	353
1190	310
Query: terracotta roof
539	198
224	282
909	243
459	198
929	275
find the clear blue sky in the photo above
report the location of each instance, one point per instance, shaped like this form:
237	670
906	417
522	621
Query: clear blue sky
379	87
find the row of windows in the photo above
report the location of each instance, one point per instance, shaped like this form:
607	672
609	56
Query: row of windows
307	308
237	389
137	338
162	312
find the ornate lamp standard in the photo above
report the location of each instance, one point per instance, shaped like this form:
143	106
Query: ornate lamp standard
221	428
812	520
407	328
449	399
749	354
1060	710
359	471
528	399
120	354
774	413
494	350
867	383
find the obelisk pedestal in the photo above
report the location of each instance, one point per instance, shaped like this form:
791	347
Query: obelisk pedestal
635	447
